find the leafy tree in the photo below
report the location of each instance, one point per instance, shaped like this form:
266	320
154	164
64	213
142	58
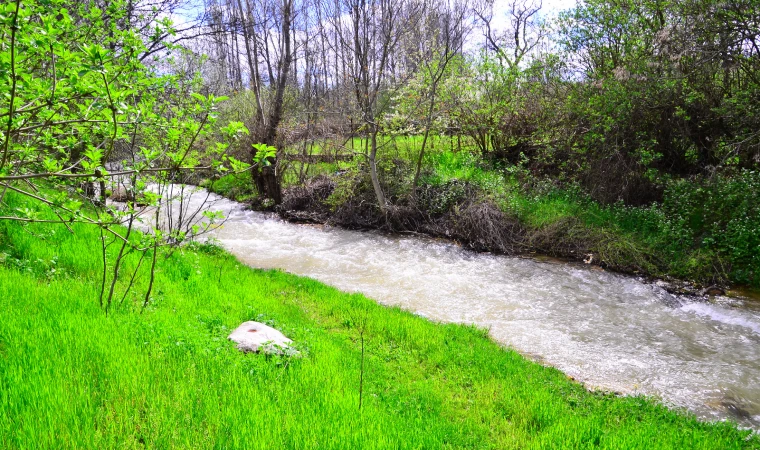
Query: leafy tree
662	90
81	115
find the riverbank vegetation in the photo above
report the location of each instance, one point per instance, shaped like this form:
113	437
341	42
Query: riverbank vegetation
166	377
705	233
621	133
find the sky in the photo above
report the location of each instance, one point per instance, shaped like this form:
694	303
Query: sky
549	6
500	21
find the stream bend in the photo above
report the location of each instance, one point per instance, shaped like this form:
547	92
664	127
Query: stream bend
609	331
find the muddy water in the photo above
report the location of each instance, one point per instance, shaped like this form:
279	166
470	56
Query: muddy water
609	331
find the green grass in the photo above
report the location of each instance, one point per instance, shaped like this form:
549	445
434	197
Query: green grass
237	186
390	147
72	377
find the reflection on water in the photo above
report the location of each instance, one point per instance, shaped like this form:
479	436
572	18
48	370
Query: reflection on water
610	331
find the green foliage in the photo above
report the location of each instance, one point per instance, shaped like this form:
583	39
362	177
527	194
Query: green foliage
74	97
264	154
347	187
654	102
440	199
235	186
719	220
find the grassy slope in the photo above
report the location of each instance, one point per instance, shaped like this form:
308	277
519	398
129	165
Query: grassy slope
71	377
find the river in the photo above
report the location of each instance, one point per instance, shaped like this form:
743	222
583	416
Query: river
609	331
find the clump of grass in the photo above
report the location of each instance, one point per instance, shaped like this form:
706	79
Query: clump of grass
71	377
237	186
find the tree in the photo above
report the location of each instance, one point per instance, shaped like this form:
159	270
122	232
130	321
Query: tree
524	33
78	113
663	89
267	31
433	45
368	32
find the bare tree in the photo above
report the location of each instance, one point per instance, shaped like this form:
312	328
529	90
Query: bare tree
368	32
267	34
525	30
442	39
253	44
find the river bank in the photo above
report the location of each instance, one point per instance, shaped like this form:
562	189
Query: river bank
461	212
169	378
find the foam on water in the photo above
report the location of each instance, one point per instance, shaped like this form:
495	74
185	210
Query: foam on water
725	316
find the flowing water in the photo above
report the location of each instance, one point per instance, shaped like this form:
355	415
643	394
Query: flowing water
609	331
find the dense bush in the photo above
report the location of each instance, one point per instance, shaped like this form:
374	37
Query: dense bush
717	219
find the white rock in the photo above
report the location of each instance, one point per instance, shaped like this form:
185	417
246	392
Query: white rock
255	336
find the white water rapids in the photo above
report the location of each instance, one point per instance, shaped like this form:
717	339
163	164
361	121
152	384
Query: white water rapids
609	331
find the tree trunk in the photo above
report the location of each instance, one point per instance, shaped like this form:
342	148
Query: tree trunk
373	170
267	178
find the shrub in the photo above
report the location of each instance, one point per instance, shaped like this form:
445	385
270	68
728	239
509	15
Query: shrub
719	217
